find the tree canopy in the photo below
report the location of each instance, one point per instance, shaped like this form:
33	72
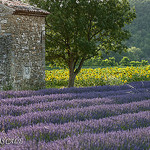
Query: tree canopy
80	29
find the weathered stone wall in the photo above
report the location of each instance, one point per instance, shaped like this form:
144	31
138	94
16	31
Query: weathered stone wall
28	65
5	47
27	54
5	44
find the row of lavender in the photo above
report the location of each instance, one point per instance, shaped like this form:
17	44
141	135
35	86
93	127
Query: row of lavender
132	86
88	119
20	106
137	139
121	96
43	131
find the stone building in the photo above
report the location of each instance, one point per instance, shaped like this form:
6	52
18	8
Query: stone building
22	46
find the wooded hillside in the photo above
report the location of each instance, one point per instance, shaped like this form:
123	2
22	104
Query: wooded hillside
140	27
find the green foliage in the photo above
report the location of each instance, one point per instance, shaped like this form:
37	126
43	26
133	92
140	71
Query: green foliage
125	61
135	63
144	63
112	61
108	62
105	63
7	87
93	62
76	27
99	62
140	27
140	33
134	53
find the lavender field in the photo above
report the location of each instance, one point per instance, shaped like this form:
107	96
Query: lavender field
91	118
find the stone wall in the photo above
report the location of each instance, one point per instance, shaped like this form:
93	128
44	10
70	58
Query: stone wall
5	47
27	54
28	63
5	44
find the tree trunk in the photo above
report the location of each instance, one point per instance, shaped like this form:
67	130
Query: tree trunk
72	77
72	72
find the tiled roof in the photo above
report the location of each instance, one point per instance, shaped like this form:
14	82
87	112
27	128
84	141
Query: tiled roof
24	8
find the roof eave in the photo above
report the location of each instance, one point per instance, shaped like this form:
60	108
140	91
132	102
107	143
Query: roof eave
30	13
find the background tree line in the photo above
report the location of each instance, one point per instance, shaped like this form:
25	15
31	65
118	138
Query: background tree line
140	27
125	61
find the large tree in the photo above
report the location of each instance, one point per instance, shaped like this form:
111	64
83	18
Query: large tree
80	29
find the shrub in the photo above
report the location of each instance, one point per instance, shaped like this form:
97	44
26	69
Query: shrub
135	63
112	61
105	62
144	63
125	61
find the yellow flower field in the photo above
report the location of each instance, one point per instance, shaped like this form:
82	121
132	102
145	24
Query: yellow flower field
98	76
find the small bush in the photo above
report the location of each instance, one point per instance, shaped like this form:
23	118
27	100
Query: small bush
125	61
105	62
135	63
144	63
112	61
